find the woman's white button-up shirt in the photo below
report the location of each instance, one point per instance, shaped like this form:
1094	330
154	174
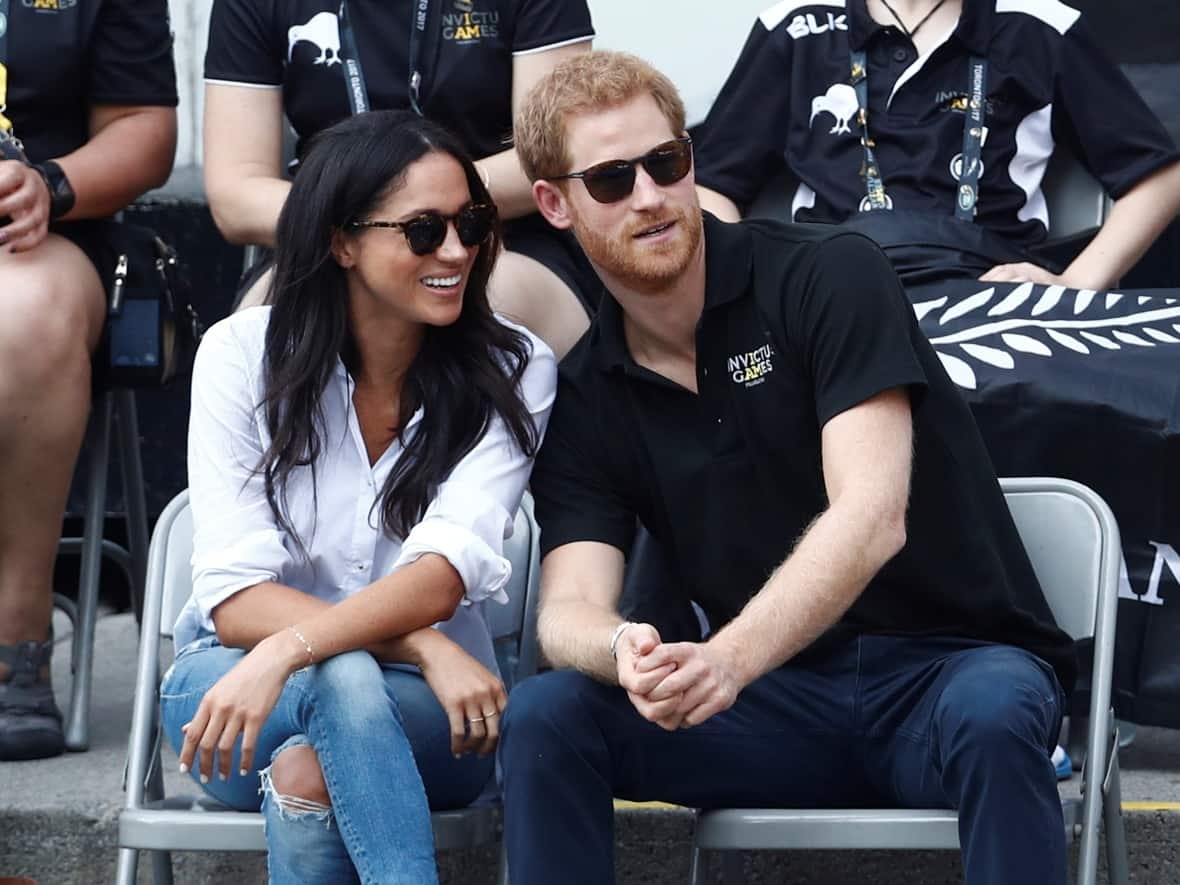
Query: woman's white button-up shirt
238	543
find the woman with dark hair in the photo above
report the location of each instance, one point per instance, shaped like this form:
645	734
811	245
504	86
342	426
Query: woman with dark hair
357	453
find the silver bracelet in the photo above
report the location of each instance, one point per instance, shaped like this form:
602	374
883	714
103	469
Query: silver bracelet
306	645
614	638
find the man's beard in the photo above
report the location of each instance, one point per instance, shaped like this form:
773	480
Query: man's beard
643	269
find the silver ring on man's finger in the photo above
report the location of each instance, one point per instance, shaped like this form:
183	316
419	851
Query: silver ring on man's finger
475	720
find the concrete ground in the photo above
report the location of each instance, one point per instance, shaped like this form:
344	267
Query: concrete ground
58	817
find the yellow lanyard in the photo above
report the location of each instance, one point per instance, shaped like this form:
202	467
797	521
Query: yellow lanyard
5	123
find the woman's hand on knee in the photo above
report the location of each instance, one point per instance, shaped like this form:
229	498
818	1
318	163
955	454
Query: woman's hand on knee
238	704
472	696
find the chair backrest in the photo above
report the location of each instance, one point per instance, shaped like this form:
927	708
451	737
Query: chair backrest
1073	544
1075	199
171	554
512	625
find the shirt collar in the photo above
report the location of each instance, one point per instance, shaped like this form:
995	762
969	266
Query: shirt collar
974	29
729	261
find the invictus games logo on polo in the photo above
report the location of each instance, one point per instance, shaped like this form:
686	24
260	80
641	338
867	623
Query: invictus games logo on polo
469	24
751	368
49	5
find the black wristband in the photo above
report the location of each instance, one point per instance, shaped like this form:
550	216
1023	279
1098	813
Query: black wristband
61	194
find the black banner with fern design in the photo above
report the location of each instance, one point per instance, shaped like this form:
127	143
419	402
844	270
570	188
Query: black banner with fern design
1086	385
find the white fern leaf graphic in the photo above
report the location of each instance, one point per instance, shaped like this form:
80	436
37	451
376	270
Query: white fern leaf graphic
993	356
1025	344
958	370
1067	341
1021	323
924	307
968	304
1128	338
1048	301
1160	336
1100	341
1013	300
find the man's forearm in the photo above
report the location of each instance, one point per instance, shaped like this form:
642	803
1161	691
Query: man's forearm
129	155
576	634
828	569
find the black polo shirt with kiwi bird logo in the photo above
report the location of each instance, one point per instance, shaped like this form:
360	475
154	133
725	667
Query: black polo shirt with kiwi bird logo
788	104
800	324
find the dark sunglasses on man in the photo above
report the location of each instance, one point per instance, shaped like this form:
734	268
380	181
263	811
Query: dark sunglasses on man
614	180
426	232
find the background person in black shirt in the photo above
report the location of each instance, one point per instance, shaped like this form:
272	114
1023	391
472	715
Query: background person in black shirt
788	105
90	92
270	59
761	398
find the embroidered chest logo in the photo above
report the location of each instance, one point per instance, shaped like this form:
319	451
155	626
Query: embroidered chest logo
751	368
323	31
468	24
806	25
839	101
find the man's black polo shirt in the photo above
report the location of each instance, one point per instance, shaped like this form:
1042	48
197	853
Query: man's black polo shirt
788	104
800	324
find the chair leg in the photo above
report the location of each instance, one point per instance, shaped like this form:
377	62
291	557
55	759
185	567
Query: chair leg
502	865
77	731
1075	745
732	870
1112	819
128	866
697	869
134	496
161	867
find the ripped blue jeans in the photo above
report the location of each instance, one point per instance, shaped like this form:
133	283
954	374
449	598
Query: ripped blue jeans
383	743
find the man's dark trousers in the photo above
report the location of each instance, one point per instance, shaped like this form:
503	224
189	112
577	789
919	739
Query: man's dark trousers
870	721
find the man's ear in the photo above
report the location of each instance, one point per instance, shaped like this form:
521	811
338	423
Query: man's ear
343	248
552	203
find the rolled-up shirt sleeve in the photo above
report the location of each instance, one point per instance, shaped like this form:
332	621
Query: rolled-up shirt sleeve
237	542
474	510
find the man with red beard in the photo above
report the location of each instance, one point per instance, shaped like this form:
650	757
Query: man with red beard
760	398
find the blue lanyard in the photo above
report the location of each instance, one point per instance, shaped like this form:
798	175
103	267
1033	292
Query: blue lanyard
973	129
967	195
354	75
417	27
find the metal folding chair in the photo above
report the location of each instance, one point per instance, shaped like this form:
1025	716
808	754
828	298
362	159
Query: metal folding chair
151	822
1073	542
